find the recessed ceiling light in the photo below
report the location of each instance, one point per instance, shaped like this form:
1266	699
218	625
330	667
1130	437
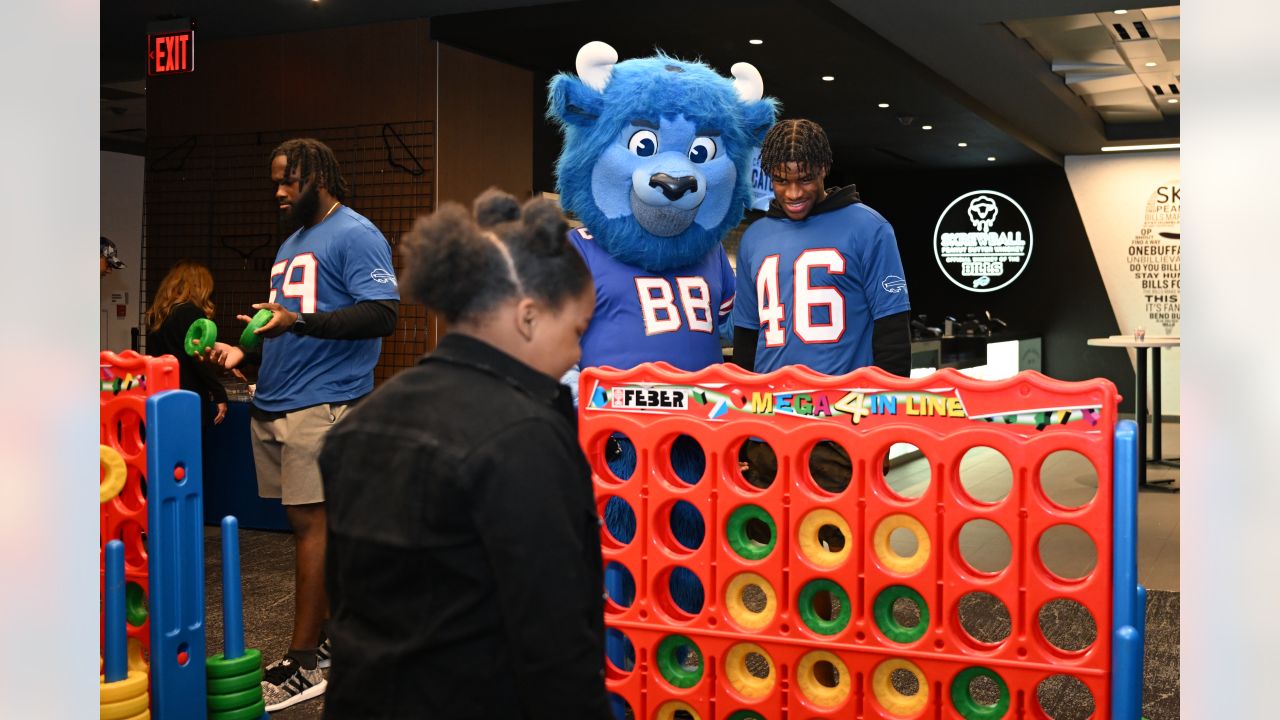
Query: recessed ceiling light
962	144
756	41
1122	12
991	158
1130	148
1150	64
1173	101
828	78
883	105
926	127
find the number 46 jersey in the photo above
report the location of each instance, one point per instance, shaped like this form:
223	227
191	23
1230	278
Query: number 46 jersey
814	287
647	317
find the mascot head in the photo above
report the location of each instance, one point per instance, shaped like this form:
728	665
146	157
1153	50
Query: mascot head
657	152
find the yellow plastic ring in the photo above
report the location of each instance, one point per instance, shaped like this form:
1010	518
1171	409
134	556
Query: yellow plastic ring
124	709
133	685
811	545
819	694
889	697
891	559
113	466
739	612
735	668
137	663
668	710
144	715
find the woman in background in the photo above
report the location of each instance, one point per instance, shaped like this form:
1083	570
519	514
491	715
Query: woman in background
183	298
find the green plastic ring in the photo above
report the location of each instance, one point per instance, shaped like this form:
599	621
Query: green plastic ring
883	612
965	703
135	604
736	531
235	683
236	700
253	712
200	336
746	715
671	668
218	667
816	622
248	339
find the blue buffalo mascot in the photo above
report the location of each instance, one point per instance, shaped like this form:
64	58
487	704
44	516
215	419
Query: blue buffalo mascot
656	165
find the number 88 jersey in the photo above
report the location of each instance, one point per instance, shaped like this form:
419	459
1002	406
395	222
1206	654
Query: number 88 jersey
649	317
814	287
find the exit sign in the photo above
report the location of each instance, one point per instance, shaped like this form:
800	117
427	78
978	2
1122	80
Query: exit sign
171	52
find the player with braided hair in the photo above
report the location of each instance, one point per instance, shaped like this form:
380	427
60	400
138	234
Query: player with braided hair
820	281
820	284
464	554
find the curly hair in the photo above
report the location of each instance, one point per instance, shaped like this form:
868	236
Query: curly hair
800	141
463	266
187	282
308	156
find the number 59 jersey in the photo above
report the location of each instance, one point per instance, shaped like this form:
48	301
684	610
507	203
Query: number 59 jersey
648	317
814	287
339	262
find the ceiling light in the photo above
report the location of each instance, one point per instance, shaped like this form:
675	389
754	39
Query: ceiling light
1151	64
991	158
926	127
828	78
962	144
883	105
1122	12
1173	101
755	41
1127	148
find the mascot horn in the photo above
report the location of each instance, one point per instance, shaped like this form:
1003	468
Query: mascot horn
656	165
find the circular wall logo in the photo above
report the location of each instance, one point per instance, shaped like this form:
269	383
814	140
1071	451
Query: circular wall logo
982	241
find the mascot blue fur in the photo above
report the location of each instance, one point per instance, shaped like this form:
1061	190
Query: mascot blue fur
656	164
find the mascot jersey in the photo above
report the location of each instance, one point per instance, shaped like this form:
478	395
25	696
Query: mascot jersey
645	317
814	287
339	262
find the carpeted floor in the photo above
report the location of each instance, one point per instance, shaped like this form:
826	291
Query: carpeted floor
267	575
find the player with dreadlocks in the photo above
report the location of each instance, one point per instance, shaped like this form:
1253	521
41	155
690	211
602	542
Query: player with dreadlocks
333	296
820	281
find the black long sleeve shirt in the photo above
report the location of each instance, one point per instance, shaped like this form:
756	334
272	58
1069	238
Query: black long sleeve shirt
463	563
170	338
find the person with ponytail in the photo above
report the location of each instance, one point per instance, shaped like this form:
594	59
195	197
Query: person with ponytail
463	564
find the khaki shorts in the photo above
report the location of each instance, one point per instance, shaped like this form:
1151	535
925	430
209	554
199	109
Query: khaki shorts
285	449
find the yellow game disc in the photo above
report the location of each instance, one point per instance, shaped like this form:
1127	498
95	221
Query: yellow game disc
136	661
113	473
125	709
889	697
819	693
746	611
891	559
811	538
130	687
144	715
739	667
669	709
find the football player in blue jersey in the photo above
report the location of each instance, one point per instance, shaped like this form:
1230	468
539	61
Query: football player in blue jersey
333	296
820	282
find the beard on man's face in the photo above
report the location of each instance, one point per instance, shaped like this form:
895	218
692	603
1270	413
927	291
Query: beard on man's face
301	210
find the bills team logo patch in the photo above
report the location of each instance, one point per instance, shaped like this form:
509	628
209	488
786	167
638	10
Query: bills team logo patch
893	284
383	276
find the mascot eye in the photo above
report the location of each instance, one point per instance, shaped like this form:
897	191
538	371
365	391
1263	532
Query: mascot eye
643	143
704	149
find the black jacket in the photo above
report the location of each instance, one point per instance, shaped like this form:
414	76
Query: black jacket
169	339
463	563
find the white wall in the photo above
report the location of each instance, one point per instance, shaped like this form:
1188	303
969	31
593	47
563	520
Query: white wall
121	220
1132	215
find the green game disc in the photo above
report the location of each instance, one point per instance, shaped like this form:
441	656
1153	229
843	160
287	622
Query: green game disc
235	683
236	700
248	340
671	661
816	622
739	539
200	335
217	667
963	699
883	612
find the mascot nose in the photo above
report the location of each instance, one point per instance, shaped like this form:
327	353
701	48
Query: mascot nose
673	188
